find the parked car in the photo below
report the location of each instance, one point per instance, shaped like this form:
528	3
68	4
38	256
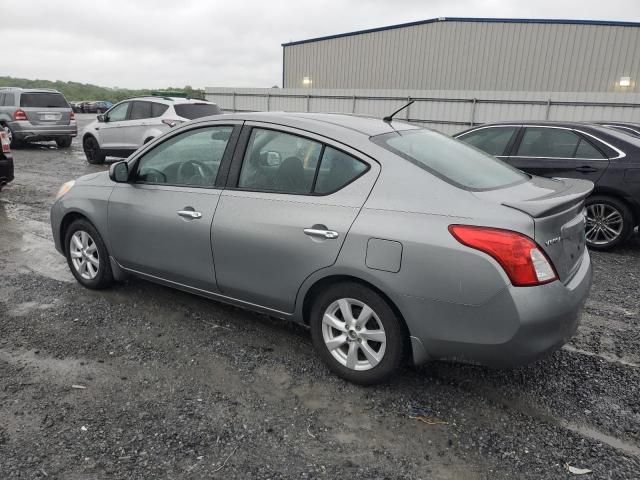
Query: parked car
76	107
6	161
607	157
131	123
31	115
385	238
102	106
627	127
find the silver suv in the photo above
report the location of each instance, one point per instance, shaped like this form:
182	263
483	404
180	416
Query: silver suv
128	125
35	115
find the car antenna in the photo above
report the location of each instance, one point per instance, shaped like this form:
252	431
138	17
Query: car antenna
390	117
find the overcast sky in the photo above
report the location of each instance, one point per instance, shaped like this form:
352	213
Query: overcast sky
159	43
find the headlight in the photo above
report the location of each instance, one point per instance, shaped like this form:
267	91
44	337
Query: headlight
65	188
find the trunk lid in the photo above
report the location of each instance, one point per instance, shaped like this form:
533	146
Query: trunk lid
557	209
45	108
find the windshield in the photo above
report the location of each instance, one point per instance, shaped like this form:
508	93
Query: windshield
43	100
451	160
197	110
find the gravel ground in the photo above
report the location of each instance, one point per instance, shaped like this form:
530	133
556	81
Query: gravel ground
176	386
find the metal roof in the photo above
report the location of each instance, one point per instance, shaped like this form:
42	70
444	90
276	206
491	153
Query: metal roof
610	23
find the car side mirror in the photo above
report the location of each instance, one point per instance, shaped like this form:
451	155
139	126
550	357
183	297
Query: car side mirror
273	159
119	172
103	118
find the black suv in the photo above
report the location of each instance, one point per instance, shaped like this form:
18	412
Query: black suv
607	157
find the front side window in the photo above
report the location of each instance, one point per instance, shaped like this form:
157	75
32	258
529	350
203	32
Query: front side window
555	143
119	112
279	162
493	140
449	159
140	110
192	158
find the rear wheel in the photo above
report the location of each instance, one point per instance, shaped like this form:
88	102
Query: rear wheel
64	142
357	334
87	255
13	140
92	150
609	222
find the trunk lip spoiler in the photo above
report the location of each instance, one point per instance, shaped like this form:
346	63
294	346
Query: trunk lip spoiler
556	202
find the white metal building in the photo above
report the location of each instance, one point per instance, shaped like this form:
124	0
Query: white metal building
472	54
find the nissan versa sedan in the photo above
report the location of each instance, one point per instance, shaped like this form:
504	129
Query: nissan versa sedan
605	156
388	240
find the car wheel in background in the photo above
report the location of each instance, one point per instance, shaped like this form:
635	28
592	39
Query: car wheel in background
92	150
64	142
609	222
13	141
87	255
357	334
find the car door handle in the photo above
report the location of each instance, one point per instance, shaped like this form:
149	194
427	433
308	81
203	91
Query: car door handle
189	214
321	233
586	169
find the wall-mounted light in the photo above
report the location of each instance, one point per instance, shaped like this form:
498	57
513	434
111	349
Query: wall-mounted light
307	81
625	81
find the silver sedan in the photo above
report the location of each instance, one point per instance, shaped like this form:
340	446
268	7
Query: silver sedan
390	241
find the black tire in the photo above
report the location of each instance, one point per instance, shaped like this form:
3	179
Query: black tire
64	142
92	150
104	275
393	355
15	143
597	240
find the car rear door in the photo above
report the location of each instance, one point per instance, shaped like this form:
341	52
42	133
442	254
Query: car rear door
290	200
45	108
553	151
160	221
138	123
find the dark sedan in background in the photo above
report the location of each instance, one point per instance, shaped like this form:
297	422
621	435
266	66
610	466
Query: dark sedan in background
606	156
626	127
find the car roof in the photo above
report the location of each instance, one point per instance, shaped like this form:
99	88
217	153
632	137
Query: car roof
327	124
537	123
167	100
29	90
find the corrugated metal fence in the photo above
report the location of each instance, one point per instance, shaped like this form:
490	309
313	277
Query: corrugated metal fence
447	111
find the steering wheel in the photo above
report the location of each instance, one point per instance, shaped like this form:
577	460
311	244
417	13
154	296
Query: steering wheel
194	172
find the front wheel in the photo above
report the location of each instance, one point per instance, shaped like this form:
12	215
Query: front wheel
63	142
609	222
87	256
357	334
92	151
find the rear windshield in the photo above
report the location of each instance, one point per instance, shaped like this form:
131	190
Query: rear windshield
197	110
43	100
451	160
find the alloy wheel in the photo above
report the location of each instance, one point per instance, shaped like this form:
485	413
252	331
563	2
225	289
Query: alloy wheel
605	224
353	334
9	133
84	255
91	148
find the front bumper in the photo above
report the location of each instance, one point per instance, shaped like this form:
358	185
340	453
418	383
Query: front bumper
6	170
518	326
27	131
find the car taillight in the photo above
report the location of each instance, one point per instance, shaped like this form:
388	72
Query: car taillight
520	257
19	115
72	116
4	140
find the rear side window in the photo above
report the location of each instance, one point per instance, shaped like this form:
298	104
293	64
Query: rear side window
555	143
449	159
492	140
337	169
197	110
140	110
43	100
157	109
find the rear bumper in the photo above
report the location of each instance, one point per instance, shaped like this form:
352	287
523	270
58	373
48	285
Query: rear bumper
28	131
6	170
516	327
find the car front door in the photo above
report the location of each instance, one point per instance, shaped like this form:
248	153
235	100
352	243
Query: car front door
290	200
558	152
160	221
111	131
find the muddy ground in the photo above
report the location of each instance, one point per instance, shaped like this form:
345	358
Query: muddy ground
181	387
